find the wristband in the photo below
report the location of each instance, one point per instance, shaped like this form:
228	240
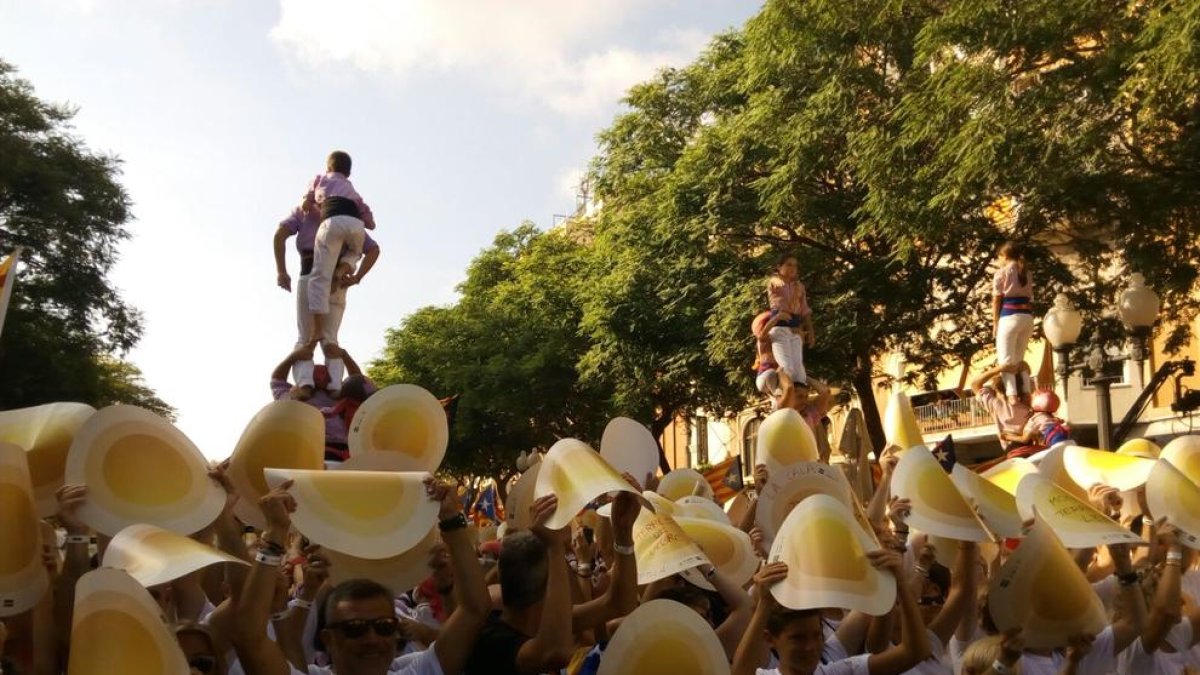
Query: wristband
712	572
1127	579
271	548
78	539
300	603
1175	555
1147	521
452	523
264	558
623	550
921	570
1000	668
279	616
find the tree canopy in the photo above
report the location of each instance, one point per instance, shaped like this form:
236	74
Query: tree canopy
67	325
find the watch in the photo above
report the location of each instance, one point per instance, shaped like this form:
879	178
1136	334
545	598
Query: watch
456	522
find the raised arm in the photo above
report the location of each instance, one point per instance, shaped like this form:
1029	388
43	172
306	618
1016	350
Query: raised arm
258	654
753	652
914	640
551	648
352	367
76	561
1167	599
741	610
370	257
1133	620
453	644
981	380
621	596
962	592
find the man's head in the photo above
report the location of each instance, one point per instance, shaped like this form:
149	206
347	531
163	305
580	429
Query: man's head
690	596
357	388
798	637
338	162
523	570
321	376
200	649
360	627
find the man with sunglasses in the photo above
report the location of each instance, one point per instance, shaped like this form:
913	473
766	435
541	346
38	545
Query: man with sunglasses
361	625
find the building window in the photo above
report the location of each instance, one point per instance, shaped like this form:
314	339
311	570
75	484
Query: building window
750	443
701	441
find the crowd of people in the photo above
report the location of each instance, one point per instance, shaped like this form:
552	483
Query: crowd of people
544	599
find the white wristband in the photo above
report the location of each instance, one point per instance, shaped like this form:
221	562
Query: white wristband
1174	555
78	539
268	559
280	616
1000	668
299	603
623	550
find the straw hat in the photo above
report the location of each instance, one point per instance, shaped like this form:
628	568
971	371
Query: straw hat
283	434
154	556
23	578
664	636
138	468
45	432
366	514
118	628
405	419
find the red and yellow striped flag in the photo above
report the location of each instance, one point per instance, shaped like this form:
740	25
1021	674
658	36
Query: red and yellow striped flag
8	274
725	479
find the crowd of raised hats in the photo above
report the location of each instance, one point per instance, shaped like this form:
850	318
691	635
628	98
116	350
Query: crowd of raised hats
122	550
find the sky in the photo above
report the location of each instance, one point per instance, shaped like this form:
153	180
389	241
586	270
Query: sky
464	117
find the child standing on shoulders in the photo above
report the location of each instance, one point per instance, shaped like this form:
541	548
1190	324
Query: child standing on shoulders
1012	312
793	328
344	215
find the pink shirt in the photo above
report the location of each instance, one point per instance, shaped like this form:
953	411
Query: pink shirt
1007	282
333	184
1010	417
788	297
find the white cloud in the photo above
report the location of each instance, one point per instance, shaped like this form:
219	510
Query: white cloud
561	54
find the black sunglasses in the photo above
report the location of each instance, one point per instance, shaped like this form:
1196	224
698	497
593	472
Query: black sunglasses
356	628
204	664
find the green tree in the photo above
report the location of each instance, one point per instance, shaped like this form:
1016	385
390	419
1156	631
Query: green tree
508	347
63	204
874	140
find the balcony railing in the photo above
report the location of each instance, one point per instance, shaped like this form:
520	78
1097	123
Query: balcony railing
963	413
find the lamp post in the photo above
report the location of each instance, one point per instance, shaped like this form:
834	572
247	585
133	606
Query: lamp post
1138	308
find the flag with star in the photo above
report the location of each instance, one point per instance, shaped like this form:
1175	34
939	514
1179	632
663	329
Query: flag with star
944	453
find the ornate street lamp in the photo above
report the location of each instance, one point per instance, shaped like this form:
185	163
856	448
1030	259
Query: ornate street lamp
1138	308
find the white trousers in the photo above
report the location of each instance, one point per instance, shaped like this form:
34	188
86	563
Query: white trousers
302	371
334	234
1012	339
788	348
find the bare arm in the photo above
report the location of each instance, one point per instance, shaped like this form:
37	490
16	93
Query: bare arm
914	640
76	562
303	353
877	508
257	653
352	367
474	603
621	596
369	260
981	380
962	592
753	652
1167	601
551	648
741	610
1133	622
281	237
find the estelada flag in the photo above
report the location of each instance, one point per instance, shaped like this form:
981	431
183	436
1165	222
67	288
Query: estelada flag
8	274
725	479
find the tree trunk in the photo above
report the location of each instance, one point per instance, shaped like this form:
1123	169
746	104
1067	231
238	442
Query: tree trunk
865	388
657	426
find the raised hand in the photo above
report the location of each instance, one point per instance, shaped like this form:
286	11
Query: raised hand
447	498
277	507
70	498
543	508
768	576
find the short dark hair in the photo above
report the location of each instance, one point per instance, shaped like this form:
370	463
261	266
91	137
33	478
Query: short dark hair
685	595
781	617
355	589
355	388
523	570
338	162
784	257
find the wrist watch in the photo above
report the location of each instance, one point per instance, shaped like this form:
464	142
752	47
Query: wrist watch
455	522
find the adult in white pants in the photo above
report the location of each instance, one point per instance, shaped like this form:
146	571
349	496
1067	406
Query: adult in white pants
787	346
304	227
1012	312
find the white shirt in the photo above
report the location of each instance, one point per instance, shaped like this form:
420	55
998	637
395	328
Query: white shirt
419	663
1100	659
1135	660
855	665
937	664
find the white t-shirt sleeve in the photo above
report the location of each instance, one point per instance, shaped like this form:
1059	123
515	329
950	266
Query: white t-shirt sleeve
1180	636
834	650
417	663
1100	659
855	665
